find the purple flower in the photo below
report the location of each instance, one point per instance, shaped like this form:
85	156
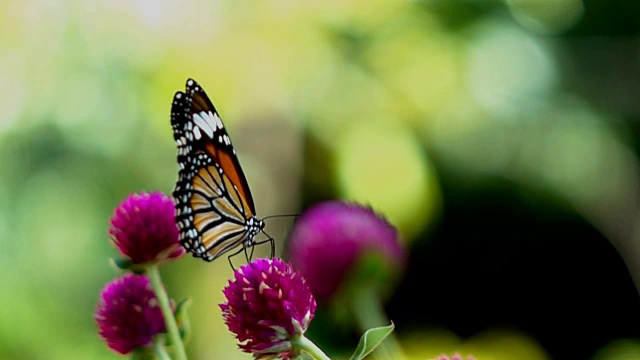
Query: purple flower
128	314
331	237
143	228
454	357
268	304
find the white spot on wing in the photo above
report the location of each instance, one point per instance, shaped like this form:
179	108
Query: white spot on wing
205	122
196	133
216	118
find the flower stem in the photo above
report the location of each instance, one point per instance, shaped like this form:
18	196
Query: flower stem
159	349
369	313
308	346
154	274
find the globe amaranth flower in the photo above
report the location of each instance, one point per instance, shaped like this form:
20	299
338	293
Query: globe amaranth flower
454	357
144	229
267	306
331	237
128	315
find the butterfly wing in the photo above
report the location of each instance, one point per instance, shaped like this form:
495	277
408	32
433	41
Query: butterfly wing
212	196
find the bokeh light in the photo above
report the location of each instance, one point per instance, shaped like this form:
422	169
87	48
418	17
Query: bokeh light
433	113
386	168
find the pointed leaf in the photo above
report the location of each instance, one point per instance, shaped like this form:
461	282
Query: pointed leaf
126	265
182	319
370	340
121	263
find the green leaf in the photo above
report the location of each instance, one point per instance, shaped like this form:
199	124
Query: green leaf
182	319
143	353
126	265
121	263
370	340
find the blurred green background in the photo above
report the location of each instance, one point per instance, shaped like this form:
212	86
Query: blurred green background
500	137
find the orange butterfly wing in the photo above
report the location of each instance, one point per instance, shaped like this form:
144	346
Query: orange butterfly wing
214	207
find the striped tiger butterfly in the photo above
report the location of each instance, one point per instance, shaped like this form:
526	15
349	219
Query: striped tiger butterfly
214	207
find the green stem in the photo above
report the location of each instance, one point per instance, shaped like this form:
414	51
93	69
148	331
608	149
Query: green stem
154	274
159	349
309	347
369	313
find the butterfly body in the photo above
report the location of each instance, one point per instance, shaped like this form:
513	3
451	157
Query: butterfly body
214	207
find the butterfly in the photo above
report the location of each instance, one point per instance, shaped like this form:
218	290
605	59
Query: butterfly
214	207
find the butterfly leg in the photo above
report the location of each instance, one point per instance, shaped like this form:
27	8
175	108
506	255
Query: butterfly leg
273	247
251	255
247	255
271	241
232	255
230	263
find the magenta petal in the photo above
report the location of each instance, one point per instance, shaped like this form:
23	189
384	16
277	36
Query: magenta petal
128	315
330	237
144	229
261	308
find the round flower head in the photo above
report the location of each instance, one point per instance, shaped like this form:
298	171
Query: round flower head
143	228
128	315
267	306
454	357
330	238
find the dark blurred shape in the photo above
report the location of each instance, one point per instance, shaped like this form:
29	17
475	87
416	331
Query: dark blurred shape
521	263
604	71
457	15
608	18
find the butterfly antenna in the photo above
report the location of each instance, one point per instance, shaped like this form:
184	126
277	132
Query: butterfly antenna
277	216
